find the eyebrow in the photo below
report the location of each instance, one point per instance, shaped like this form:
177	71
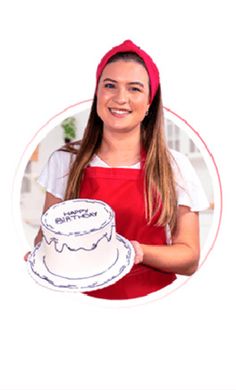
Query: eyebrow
130	83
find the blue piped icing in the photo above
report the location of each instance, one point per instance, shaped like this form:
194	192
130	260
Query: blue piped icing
60	247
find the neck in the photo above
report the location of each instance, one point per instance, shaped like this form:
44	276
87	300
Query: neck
120	148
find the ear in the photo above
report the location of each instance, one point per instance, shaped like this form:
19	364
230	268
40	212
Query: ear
148	106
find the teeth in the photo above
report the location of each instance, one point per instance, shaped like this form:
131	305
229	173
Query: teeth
117	111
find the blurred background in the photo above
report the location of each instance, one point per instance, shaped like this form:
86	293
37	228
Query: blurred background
71	128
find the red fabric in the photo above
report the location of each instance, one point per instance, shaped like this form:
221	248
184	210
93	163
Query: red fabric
123	190
129	46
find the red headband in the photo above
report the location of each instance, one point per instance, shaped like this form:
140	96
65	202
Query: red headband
129	46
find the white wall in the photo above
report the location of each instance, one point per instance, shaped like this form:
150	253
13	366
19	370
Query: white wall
54	139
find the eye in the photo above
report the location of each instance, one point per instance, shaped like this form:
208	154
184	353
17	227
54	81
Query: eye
109	85
135	89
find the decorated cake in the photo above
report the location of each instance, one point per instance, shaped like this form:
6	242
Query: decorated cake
80	248
80	238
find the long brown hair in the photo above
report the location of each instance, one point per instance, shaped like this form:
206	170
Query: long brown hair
160	193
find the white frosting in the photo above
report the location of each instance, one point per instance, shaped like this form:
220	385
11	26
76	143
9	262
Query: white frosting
79	237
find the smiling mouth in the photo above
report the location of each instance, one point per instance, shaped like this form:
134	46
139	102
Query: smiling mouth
119	111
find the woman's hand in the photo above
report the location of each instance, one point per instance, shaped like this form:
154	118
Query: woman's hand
182	256
138	252
26	256
49	201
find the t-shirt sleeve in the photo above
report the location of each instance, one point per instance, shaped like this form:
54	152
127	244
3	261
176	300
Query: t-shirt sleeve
55	173
189	188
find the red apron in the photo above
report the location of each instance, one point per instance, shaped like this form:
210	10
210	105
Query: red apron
123	190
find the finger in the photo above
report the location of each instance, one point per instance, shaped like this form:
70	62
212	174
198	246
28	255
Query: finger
26	256
138	252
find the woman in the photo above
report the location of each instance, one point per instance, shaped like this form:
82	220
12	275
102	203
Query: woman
123	160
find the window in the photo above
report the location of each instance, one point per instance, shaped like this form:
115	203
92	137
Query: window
26	182
173	135
178	139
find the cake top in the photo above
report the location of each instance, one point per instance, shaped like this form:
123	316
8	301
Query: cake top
77	217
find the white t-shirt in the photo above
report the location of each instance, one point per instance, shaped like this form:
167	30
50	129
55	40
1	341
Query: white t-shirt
189	189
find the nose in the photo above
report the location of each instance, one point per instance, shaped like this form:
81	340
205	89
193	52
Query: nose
121	96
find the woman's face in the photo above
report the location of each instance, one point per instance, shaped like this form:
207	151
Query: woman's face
123	95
